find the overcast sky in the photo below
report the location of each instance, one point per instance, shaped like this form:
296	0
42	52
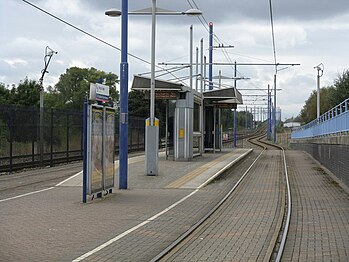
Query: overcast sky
307	32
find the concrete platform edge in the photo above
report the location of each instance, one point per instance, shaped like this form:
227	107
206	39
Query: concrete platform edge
220	172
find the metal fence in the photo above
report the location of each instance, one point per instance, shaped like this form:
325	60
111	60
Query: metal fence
62	140
334	121
333	157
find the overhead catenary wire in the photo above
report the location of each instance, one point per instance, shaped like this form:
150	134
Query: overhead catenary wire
272	33
90	35
217	39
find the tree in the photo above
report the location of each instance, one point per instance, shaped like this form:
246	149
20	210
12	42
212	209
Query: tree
4	94
138	105
340	90
227	118
74	85
329	98
26	93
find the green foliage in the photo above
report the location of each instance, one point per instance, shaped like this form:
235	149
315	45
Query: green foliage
74	85
4	94
329	98
340	89
227	118
26	93
138	105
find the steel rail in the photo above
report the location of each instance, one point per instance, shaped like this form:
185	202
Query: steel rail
289	206
262	144
203	219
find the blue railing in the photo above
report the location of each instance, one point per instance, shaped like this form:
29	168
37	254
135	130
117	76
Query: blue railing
333	122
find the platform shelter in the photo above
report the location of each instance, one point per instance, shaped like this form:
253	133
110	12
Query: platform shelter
193	122
214	101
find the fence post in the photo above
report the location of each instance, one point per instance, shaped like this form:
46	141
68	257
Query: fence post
67	153
138	142
82	136
11	135
51	138
33	134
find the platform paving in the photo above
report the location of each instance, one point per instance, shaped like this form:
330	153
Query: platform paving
243	228
136	224
319	229
53	225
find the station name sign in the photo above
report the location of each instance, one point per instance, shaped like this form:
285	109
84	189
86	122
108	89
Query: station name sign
99	92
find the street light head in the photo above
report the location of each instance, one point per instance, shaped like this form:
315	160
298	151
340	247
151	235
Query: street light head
319	67
113	12
193	12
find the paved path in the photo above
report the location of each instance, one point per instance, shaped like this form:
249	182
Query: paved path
319	229
243	227
54	225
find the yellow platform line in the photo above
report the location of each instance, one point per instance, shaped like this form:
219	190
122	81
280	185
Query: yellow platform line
130	161
193	174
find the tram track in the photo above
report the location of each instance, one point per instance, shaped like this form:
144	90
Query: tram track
277	238
38	177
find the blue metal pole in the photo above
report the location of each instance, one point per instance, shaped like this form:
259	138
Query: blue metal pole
235	73
246	119
234	127
123	127
210	56
84	169
268	117
274	109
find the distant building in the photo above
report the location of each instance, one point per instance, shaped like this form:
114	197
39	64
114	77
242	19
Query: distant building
292	124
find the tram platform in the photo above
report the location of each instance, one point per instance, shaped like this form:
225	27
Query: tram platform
50	222
47	221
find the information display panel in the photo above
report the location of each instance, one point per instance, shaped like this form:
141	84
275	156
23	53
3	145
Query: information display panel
109	148
96	150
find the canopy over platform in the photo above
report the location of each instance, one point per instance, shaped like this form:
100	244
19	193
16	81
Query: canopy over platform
163	89
223	98
143	83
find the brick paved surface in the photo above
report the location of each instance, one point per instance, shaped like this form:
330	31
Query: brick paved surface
319	229
55	226
35	179
242	228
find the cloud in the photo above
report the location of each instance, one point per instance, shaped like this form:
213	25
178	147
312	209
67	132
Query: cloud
306	32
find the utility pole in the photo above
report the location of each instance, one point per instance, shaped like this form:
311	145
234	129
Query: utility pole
274	109
320	72
268	117
210	56
47	58
235	74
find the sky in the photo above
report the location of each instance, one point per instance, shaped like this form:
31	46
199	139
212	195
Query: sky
306	33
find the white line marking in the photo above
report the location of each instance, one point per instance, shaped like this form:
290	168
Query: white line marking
39	191
60	183
46	189
223	169
111	241
27	194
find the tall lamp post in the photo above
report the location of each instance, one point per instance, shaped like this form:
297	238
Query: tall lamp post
152	152
320	72
47	58
123	119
